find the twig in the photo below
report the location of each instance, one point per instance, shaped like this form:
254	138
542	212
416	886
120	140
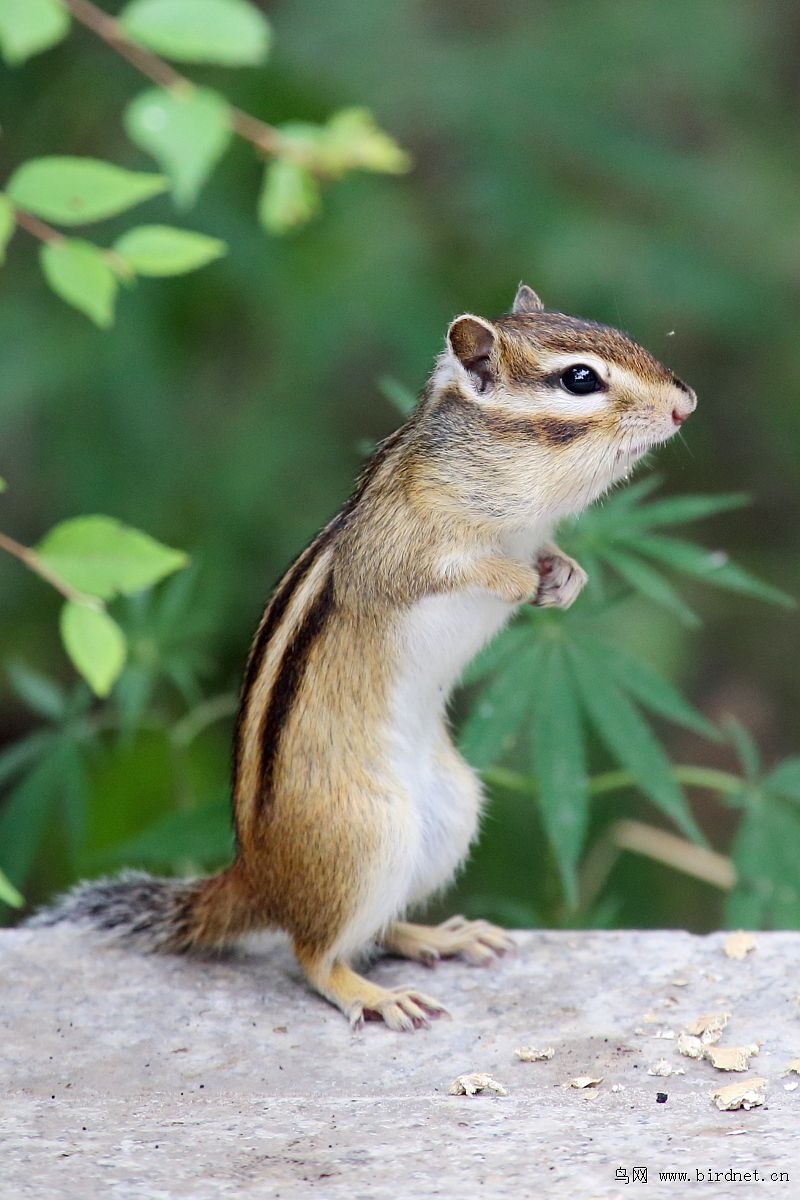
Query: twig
35	564
217	708
613	781
263	136
37	228
675	852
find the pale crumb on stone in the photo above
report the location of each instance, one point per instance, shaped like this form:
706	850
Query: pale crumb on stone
731	1058
712	976
791	1087
650	1018
584	1081
470	1085
749	1093
667	1034
792	1067
532	1054
739	944
617	1087
670	1002
709	1028
665	1069
591	1093
680	982
689	1046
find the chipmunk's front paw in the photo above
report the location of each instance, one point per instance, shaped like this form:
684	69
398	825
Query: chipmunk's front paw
562	581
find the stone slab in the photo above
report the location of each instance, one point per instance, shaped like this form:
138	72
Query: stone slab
155	1078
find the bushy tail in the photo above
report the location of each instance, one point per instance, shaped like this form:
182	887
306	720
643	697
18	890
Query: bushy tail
175	915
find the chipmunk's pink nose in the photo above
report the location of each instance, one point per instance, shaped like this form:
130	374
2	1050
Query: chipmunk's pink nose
684	404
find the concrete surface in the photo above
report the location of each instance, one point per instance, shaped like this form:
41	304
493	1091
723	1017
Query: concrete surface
132	1077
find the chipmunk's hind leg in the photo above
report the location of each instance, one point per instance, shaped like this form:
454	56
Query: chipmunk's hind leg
476	941
402	1009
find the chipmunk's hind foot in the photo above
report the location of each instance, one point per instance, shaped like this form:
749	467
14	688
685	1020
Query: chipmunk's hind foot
478	942
402	1009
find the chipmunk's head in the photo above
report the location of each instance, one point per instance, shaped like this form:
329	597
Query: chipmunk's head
567	401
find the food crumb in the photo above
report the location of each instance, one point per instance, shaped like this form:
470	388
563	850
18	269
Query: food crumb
710	1027
739	944
532	1054
731	1058
747	1094
471	1084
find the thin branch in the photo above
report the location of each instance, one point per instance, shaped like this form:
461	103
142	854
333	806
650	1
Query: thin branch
263	136
217	708
700	777
31	560
37	228
614	781
109	30
675	852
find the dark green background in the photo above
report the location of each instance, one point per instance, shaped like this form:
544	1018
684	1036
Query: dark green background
635	161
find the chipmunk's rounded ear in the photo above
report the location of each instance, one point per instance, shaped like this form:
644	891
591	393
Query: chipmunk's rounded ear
526	301
471	340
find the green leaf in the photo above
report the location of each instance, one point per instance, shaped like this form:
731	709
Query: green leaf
646	685
41	694
746	749
560	765
162	250
398	395
77	191
24	814
133	693
7	222
104	558
516	639
785	779
353	141
650	583
79	273
290	197
711	566
202	834
630	740
680	510
499	711
232	33
73	798
765	852
95	643
3	485
19	755
186	133
9	894
29	26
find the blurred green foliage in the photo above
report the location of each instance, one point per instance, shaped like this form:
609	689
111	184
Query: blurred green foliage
635	163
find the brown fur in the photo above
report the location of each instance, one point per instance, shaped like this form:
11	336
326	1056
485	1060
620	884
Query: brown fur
322	818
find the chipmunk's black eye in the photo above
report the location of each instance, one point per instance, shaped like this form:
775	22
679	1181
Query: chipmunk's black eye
580	380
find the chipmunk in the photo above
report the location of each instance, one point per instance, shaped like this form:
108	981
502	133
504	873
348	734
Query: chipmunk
350	802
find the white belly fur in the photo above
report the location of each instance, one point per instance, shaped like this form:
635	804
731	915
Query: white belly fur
440	635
